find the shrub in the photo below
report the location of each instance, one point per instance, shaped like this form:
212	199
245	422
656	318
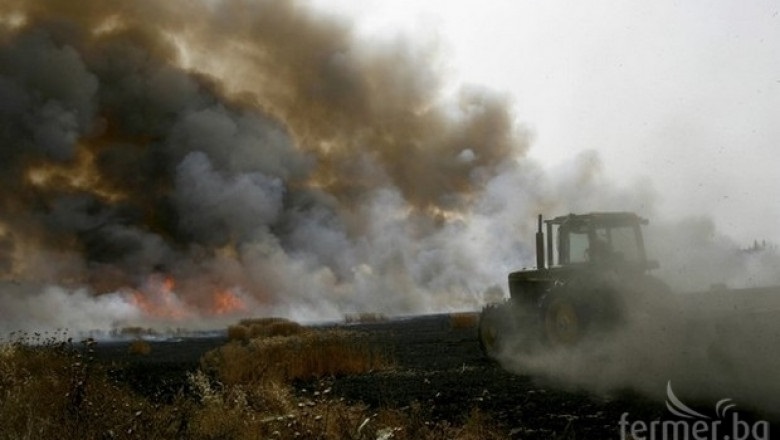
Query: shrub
285	329
238	332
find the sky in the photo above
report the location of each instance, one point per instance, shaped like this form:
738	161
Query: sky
685	94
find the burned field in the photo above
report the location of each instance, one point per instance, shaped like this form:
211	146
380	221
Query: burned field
441	367
438	373
421	377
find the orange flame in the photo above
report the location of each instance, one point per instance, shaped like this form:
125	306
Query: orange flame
226	301
160	300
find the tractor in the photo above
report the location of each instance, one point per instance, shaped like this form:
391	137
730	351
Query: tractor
590	269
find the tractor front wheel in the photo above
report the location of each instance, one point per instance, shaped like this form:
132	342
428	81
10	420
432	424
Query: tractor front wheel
563	321
494	324
578	311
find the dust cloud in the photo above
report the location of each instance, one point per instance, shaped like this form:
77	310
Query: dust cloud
713	333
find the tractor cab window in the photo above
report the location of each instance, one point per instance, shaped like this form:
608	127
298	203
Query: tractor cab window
573	243
613	244
600	244
624	243
599	249
578	247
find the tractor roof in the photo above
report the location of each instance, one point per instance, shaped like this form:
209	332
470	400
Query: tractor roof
599	219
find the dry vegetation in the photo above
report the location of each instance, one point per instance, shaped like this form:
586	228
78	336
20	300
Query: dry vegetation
306	355
53	389
464	319
248	329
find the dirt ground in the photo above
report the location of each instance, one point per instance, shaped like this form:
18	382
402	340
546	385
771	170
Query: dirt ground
437	366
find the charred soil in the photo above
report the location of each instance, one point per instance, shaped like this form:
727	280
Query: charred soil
437	367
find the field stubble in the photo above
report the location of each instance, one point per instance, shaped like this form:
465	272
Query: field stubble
277	384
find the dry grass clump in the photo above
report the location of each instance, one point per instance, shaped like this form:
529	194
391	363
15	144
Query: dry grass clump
252	396
139	347
247	329
306	355
284	329
364	318
239	412
413	423
238	333
56	390
464	320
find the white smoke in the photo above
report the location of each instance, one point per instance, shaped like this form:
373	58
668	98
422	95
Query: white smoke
54	308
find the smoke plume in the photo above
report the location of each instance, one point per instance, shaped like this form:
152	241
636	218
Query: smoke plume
249	153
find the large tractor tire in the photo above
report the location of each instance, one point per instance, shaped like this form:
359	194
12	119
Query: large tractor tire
508	329
564	321
494	329
572	313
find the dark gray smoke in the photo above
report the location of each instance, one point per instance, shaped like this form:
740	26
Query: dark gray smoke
248	147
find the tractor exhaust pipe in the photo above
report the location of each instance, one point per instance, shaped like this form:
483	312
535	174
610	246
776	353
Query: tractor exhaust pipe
540	245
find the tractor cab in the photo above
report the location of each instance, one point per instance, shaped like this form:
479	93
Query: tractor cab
605	239
587	266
